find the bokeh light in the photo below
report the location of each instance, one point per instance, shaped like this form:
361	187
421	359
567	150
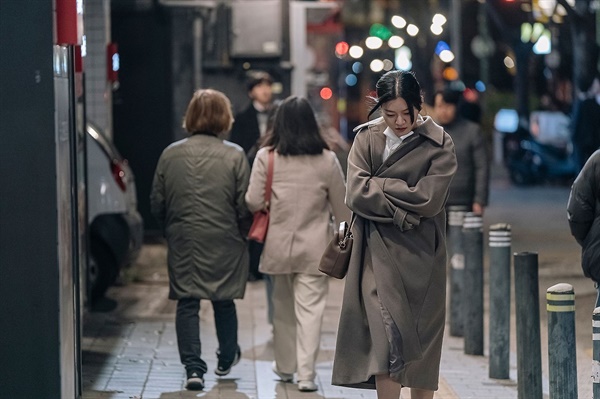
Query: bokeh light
356	51
326	93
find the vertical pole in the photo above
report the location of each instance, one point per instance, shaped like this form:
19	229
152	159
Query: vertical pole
473	284
529	357
562	359
499	243
596	353
456	256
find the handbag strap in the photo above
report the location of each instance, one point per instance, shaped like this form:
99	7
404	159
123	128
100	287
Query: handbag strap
269	182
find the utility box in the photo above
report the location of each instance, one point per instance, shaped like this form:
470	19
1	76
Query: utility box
256	27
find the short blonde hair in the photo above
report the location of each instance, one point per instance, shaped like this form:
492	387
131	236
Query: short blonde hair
209	111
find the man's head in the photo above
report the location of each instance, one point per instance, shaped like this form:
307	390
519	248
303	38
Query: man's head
259	88
445	105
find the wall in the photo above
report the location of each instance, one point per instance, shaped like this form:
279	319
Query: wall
98	98
29	364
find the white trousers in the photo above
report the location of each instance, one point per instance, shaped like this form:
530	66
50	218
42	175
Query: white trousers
298	307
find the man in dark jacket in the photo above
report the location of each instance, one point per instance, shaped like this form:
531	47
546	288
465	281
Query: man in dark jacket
251	123
583	211
249	126
470	185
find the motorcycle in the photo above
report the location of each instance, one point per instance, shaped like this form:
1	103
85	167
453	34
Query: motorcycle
538	149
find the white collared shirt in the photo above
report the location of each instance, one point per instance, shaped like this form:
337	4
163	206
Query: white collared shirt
392	142
262	117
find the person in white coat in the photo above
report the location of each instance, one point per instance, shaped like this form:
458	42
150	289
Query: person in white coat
308	189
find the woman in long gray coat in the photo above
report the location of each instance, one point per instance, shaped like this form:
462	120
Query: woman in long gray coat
198	197
392	320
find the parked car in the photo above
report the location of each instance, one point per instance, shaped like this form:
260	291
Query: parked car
115	225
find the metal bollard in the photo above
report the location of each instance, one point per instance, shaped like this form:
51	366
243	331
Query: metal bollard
529	356
473	284
499	246
456	255
596	353
562	359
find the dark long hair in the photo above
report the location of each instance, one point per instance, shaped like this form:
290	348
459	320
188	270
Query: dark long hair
398	84
295	129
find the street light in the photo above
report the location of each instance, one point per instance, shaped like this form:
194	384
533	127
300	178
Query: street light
395	42
398	22
412	29
356	51
373	42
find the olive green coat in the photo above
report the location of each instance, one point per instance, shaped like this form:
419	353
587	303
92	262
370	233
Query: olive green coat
395	288
198	197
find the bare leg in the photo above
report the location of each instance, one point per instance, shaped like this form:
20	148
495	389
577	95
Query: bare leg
420	394
386	387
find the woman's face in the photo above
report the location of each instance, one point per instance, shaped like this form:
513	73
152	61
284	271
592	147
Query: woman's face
397	116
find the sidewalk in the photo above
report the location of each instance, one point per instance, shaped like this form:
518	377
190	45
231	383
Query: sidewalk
131	352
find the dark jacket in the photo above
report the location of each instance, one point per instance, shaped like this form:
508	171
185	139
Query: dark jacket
471	181
198	196
583	211
245	131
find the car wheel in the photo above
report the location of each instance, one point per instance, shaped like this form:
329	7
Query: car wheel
102	270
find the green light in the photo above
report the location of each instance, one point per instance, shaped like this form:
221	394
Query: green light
380	31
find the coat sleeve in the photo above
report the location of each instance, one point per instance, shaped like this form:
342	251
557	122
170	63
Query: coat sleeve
157	195
365	197
337	191
582	199
428	197
242	176
482	170
255	197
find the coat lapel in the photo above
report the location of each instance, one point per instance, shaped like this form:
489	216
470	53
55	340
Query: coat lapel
377	146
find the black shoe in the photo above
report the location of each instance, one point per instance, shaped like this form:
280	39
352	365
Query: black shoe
224	366
195	382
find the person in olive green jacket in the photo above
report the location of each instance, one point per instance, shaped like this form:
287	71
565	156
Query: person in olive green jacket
393	311
198	197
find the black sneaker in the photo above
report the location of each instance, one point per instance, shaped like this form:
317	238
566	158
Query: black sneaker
195	382
224	366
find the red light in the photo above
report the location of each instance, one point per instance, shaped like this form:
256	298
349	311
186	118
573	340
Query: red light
119	175
342	48
326	93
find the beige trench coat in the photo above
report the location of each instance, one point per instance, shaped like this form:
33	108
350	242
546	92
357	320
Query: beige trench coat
307	190
393	312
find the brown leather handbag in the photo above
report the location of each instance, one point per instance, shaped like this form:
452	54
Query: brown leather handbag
260	223
336	258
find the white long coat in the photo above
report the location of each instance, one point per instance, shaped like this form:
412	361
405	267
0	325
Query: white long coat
306	191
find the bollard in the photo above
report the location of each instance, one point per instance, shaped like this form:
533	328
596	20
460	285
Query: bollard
596	353
527	301
456	255
562	359
473	284
499	314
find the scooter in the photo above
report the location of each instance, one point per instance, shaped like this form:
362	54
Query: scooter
537	150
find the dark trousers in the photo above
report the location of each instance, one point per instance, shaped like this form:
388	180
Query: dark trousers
255	250
187	326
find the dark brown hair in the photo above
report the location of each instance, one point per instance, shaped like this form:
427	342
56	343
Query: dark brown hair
295	129
398	84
